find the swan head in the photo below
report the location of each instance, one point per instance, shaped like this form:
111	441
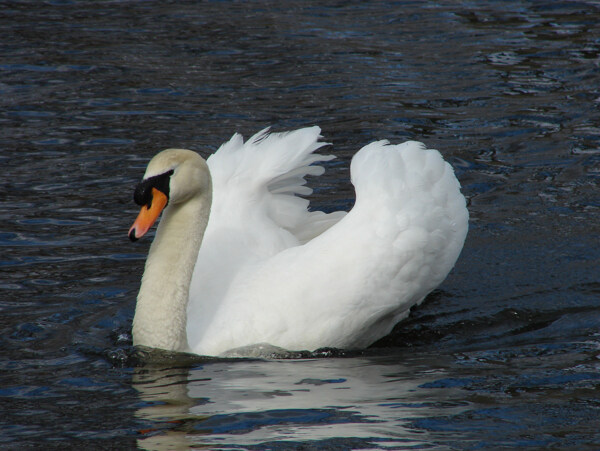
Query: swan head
173	176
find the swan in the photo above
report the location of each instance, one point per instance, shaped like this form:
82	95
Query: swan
238	258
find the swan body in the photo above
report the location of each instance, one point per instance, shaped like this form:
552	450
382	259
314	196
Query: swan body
238	259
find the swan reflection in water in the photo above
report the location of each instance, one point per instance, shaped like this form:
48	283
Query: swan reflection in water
368	400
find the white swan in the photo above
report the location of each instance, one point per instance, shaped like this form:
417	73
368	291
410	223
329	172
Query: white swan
270	271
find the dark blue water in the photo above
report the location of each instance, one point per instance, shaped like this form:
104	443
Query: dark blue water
504	354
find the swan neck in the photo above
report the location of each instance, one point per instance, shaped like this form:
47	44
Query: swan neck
160	319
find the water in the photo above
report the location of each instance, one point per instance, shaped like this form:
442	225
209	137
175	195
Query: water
504	354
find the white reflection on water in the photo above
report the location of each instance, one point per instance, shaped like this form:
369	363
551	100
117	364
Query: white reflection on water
247	403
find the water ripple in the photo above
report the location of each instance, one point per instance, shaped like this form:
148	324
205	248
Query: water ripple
504	354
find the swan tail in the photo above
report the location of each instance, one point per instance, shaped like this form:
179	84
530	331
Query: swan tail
422	213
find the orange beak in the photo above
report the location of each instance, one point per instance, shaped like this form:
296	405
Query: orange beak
148	216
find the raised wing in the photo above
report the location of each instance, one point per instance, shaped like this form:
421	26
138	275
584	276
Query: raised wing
257	212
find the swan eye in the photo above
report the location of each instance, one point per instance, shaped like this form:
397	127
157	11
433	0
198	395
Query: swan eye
143	191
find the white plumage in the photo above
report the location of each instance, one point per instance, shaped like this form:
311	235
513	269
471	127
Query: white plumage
270	271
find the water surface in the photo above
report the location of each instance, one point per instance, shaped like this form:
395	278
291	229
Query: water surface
503	354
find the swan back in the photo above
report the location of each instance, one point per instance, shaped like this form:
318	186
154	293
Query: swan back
351	283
